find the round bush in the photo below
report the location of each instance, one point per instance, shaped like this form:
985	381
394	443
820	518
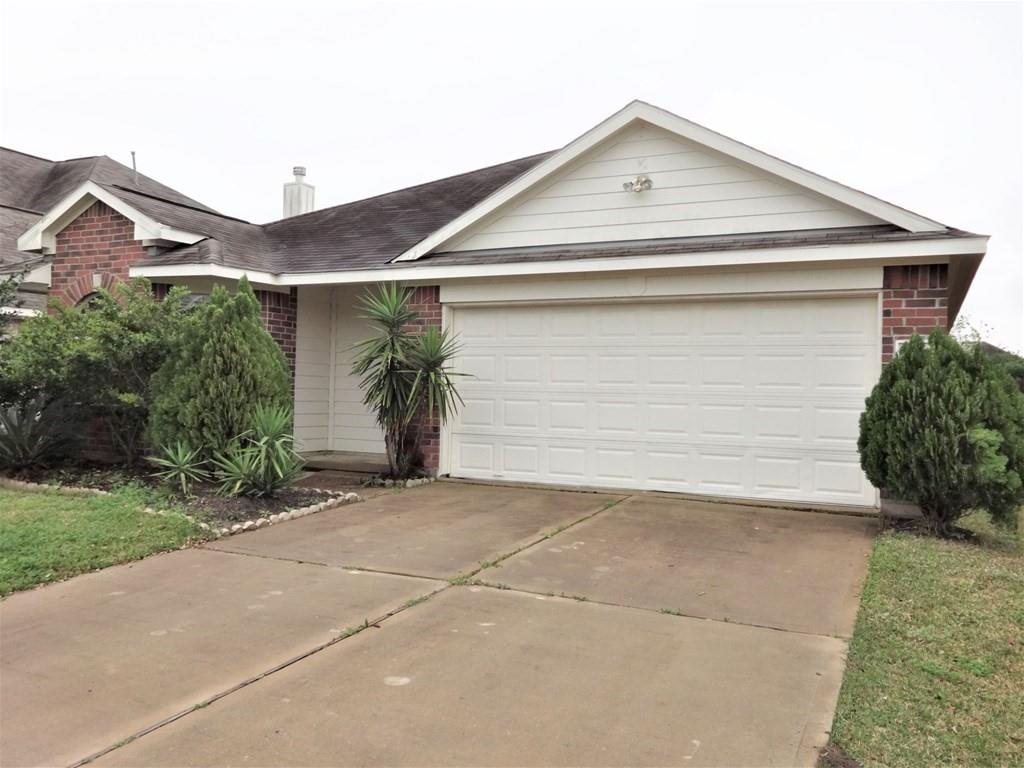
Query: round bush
944	429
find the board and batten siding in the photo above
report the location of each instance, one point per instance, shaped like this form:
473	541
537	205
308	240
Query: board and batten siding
312	368
696	192
354	426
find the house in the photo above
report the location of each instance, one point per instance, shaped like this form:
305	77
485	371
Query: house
652	306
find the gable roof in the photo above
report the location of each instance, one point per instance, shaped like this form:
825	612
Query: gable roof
640	112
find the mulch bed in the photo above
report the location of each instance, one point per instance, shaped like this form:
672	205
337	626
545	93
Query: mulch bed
209	507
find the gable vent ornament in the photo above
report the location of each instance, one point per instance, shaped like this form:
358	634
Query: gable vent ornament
639	184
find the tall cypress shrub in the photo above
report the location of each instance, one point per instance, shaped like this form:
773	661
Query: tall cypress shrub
224	365
944	428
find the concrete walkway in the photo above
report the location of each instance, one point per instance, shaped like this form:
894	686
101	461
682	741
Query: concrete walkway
581	628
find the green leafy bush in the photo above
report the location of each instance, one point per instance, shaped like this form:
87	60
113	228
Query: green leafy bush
31	435
944	428
262	460
224	363
405	377
99	361
181	466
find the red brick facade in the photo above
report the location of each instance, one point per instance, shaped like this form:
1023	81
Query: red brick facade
278	311
426	301
98	246
97	249
915	299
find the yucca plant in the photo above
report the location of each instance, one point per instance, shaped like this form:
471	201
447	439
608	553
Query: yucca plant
405	376
262	460
31	435
182	467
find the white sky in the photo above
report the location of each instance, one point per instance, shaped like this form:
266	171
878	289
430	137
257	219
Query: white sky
917	103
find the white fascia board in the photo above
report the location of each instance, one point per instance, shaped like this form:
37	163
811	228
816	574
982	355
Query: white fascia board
888	251
42	235
642	111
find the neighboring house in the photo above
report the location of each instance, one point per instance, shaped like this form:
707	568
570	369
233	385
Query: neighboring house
652	306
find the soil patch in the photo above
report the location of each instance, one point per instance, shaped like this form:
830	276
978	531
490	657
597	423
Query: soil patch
833	756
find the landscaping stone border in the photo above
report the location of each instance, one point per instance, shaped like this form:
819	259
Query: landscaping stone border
23	485
336	500
380	482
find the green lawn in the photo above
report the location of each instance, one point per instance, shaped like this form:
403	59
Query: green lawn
936	668
50	536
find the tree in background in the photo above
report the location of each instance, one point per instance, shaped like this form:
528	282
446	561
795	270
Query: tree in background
944	428
224	365
8	299
97	361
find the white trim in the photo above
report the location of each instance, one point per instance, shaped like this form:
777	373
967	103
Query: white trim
42	235
641	111
939	249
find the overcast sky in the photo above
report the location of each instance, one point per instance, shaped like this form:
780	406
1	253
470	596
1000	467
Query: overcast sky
916	103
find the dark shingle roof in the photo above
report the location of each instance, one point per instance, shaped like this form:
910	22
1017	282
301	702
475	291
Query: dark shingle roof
360	235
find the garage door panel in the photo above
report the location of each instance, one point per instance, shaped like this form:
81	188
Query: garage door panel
752	399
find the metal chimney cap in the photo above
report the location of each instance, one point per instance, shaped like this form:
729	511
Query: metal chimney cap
299	170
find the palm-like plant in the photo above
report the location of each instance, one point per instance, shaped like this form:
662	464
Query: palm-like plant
405	377
180	466
261	460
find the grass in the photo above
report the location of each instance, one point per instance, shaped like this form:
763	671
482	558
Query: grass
935	674
49	536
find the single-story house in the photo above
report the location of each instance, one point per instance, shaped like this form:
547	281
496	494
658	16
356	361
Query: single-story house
652	306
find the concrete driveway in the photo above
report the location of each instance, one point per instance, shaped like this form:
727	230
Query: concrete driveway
451	624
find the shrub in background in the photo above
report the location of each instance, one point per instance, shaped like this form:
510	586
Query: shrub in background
223	365
98	360
944	428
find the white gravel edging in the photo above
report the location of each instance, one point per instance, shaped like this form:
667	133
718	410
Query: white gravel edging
256	523
23	485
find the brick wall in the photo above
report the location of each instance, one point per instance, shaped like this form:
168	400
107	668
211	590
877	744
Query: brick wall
915	299
426	301
99	242
278	311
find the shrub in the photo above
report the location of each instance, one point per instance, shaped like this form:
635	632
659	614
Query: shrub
405	377
944	428
263	460
181	467
31	435
224	363
98	360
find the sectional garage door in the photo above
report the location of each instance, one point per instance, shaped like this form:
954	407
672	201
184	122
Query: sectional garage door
744	398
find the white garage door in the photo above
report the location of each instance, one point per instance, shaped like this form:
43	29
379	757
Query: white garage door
754	399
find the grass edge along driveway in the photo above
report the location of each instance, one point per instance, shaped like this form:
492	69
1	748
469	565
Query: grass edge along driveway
937	658
48	536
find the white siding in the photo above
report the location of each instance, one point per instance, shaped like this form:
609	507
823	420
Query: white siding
697	192
354	427
312	367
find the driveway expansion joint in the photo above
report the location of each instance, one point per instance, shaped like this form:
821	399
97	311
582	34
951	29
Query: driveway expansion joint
350	632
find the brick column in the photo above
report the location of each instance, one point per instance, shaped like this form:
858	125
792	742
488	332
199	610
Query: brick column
426	301
278	312
915	299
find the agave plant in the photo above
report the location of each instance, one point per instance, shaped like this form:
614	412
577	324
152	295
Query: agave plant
262	460
30	435
182	467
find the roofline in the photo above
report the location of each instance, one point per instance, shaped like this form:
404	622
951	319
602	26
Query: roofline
41	236
637	111
405	189
936	250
